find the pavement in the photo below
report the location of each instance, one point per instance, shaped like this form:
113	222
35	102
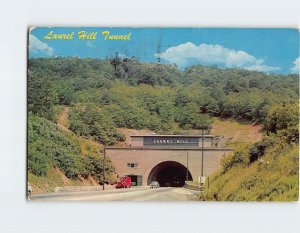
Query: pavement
130	194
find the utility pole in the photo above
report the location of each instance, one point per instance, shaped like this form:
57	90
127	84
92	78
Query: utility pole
202	178
103	174
202	152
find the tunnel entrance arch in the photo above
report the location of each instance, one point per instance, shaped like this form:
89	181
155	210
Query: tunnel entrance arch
169	174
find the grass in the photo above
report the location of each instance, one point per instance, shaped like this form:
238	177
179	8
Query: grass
276	179
87	146
236	133
58	110
54	178
84	147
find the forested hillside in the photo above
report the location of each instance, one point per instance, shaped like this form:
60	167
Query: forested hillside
104	95
267	170
155	96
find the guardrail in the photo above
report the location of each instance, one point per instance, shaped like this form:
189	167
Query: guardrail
190	185
81	188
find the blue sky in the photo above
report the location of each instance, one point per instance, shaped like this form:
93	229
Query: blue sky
267	50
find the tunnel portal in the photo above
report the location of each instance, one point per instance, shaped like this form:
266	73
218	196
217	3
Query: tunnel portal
169	174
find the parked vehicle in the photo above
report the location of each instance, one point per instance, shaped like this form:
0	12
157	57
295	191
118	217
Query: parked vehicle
154	184
124	182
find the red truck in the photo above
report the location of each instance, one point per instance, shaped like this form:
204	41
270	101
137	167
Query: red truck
124	182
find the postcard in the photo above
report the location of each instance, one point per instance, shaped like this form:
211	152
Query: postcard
162	114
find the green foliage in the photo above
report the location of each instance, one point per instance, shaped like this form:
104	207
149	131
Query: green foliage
94	167
123	92
49	147
41	96
64	95
280	119
268	170
157	92
242	94
189	117
248	105
284	120
258	149
239	157
38	162
274	178
92	121
134	72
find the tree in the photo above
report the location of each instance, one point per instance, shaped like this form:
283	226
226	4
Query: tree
189	117
258	149
284	121
238	158
115	62
282	117
92	121
64	96
40	96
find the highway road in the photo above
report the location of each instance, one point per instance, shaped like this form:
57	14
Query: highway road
132	194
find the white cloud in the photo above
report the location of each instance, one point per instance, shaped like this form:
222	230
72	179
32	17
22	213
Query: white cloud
295	69
188	54
38	47
263	68
122	55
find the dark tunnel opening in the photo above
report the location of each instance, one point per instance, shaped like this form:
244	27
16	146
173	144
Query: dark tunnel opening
169	174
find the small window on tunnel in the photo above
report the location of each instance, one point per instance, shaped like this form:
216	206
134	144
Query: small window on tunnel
132	164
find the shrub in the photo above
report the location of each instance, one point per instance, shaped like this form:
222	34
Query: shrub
91	121
238	158
50	147
258	149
